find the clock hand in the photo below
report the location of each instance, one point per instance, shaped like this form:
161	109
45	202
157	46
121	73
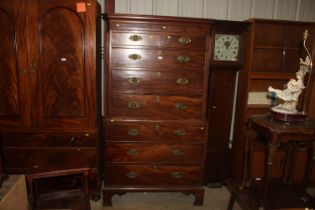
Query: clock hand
227	44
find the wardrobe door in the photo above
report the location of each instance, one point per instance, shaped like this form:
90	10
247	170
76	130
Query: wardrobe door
63	61
14	74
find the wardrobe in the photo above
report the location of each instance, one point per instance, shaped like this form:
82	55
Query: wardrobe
49	72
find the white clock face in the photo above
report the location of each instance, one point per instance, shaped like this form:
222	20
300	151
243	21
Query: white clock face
226	47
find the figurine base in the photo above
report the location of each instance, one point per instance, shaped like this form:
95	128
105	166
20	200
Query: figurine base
287	116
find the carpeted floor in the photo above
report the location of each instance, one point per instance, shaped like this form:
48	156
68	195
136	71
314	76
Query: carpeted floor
215	199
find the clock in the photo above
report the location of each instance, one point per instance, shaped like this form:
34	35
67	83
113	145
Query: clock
226	47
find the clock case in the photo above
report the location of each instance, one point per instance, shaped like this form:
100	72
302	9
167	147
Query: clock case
229	28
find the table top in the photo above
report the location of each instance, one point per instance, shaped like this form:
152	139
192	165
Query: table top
54	162
297	130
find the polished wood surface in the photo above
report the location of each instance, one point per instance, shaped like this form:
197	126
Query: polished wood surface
156	84
49	80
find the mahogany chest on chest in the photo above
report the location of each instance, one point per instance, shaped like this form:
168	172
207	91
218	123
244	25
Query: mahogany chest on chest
156	80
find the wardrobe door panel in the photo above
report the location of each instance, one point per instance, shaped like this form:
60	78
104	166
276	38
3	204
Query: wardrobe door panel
61	63
13	68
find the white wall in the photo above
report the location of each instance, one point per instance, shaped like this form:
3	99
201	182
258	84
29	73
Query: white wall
302	10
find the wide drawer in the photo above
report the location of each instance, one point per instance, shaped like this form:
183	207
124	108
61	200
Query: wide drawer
161	27
158	153
48	140
135	131
155	82
153	175
156	107
16	158
153	39
152	58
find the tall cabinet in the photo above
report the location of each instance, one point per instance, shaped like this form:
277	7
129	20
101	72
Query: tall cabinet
48	77
273	51
156	101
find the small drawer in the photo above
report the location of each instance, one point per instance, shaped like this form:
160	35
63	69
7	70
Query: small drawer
153	175
184	41
157	82
135	39
159	153
163	59
48	140
156	107
161	27
137	131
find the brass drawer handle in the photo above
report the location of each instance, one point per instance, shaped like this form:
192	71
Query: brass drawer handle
134	80
133	105
183	58
184	40
135	38
179	132
133	152
133	132
176	175
178	152
132	174
181	106
134	57
182	81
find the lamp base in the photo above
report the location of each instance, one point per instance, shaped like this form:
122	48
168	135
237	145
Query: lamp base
286	116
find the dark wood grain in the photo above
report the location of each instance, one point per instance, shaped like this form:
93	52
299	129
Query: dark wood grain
156	107
157	153
155	131
48	74
153	175
150	82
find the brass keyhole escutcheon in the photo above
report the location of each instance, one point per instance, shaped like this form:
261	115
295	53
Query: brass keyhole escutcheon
182	81
133	152
176	175
133	132
134	57
134	80
132	174
183	58
133	105
178	152
184	40
179	132
181	106
135	38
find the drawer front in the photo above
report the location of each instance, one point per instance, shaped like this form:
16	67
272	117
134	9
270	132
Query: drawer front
177	132
49	140
155	82
16	159
160	27
159	153
135	39
153	175
184	41
156	107
164	59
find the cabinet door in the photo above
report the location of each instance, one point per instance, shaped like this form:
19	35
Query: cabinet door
63	62
14	74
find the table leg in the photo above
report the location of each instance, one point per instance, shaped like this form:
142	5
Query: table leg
31	193
268	164
247	156
292	164
309	168
86	190
287	164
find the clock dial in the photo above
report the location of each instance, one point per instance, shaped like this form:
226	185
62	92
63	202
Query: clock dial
226	47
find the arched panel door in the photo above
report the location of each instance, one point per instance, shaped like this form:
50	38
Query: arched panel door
61	64
14	74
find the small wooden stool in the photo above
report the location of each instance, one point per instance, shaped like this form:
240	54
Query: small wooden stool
51	164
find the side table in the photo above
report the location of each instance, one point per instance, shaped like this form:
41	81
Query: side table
275	132
51	164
